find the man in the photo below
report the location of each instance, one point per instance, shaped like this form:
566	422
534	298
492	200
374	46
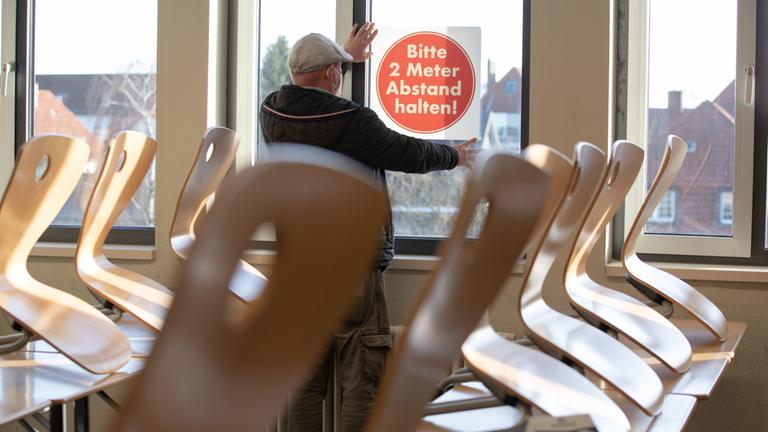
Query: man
309	111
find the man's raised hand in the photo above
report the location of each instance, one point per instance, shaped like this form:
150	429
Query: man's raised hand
359	41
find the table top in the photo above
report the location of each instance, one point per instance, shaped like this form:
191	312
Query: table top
33	380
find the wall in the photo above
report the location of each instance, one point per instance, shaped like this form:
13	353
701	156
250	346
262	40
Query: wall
570	102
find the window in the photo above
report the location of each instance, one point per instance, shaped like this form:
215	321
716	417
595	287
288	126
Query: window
278	34
664	214
87	71
424	206
725	213
688	80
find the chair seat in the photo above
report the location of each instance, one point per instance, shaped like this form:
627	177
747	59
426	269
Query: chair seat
678	292
539	380
710	358
588	347
633	319
136	294
500	418
69	324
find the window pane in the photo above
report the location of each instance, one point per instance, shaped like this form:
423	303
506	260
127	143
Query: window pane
691	93
425	205
282	24
95	75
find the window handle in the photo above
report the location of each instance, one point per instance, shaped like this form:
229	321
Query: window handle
7	68
749	91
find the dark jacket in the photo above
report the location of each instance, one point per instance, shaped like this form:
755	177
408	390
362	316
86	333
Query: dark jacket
309	116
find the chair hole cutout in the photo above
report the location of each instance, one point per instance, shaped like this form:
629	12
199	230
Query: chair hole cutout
614	174
121	161
41	170
574	181
209	153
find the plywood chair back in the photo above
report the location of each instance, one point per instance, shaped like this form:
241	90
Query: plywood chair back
466	281
213	161
622	313
127	162
569	338
327	214
30	203
678	292
527	374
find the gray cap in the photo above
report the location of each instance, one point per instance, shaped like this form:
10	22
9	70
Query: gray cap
314	52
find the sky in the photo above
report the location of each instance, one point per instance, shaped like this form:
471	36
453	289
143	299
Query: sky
695	54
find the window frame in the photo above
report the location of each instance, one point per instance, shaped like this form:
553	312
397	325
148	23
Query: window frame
618	229
24	113
661	246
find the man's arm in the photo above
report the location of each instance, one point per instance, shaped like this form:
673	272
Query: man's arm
370	141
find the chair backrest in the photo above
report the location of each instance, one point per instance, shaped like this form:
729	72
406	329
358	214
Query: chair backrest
620	312
127	162
564	336
587	173
468	278
623	166
327	213
668	286
559	168
213	160
30	203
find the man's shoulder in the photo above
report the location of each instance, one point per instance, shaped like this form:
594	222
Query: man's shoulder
298	100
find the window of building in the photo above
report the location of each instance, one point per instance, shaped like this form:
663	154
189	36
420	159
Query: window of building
665	212
725	208
85	71
685	79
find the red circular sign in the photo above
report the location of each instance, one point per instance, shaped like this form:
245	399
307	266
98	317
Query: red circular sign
425	82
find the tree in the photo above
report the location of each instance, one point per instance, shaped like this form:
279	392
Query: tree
274	67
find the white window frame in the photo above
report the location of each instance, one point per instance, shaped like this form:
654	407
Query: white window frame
7	100
739	245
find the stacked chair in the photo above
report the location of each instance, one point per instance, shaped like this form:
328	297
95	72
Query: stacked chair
128	159
46	172
616	358
213	161
258	361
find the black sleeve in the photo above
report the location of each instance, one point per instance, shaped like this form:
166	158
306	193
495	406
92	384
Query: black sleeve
371	142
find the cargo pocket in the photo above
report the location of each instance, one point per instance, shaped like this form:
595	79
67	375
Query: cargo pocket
375	346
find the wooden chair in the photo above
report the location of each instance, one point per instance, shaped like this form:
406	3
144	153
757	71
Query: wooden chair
213	160
327	214
529	375
126	164
607	307
569	338
466	281
30	203
649	279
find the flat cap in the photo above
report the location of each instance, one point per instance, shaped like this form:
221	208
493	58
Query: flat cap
313	52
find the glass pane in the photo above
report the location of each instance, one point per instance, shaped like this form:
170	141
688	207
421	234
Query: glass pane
691	93
425	205
282	24
95	75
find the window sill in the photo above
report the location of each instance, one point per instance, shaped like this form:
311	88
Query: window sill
701	272
67	250
422	263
